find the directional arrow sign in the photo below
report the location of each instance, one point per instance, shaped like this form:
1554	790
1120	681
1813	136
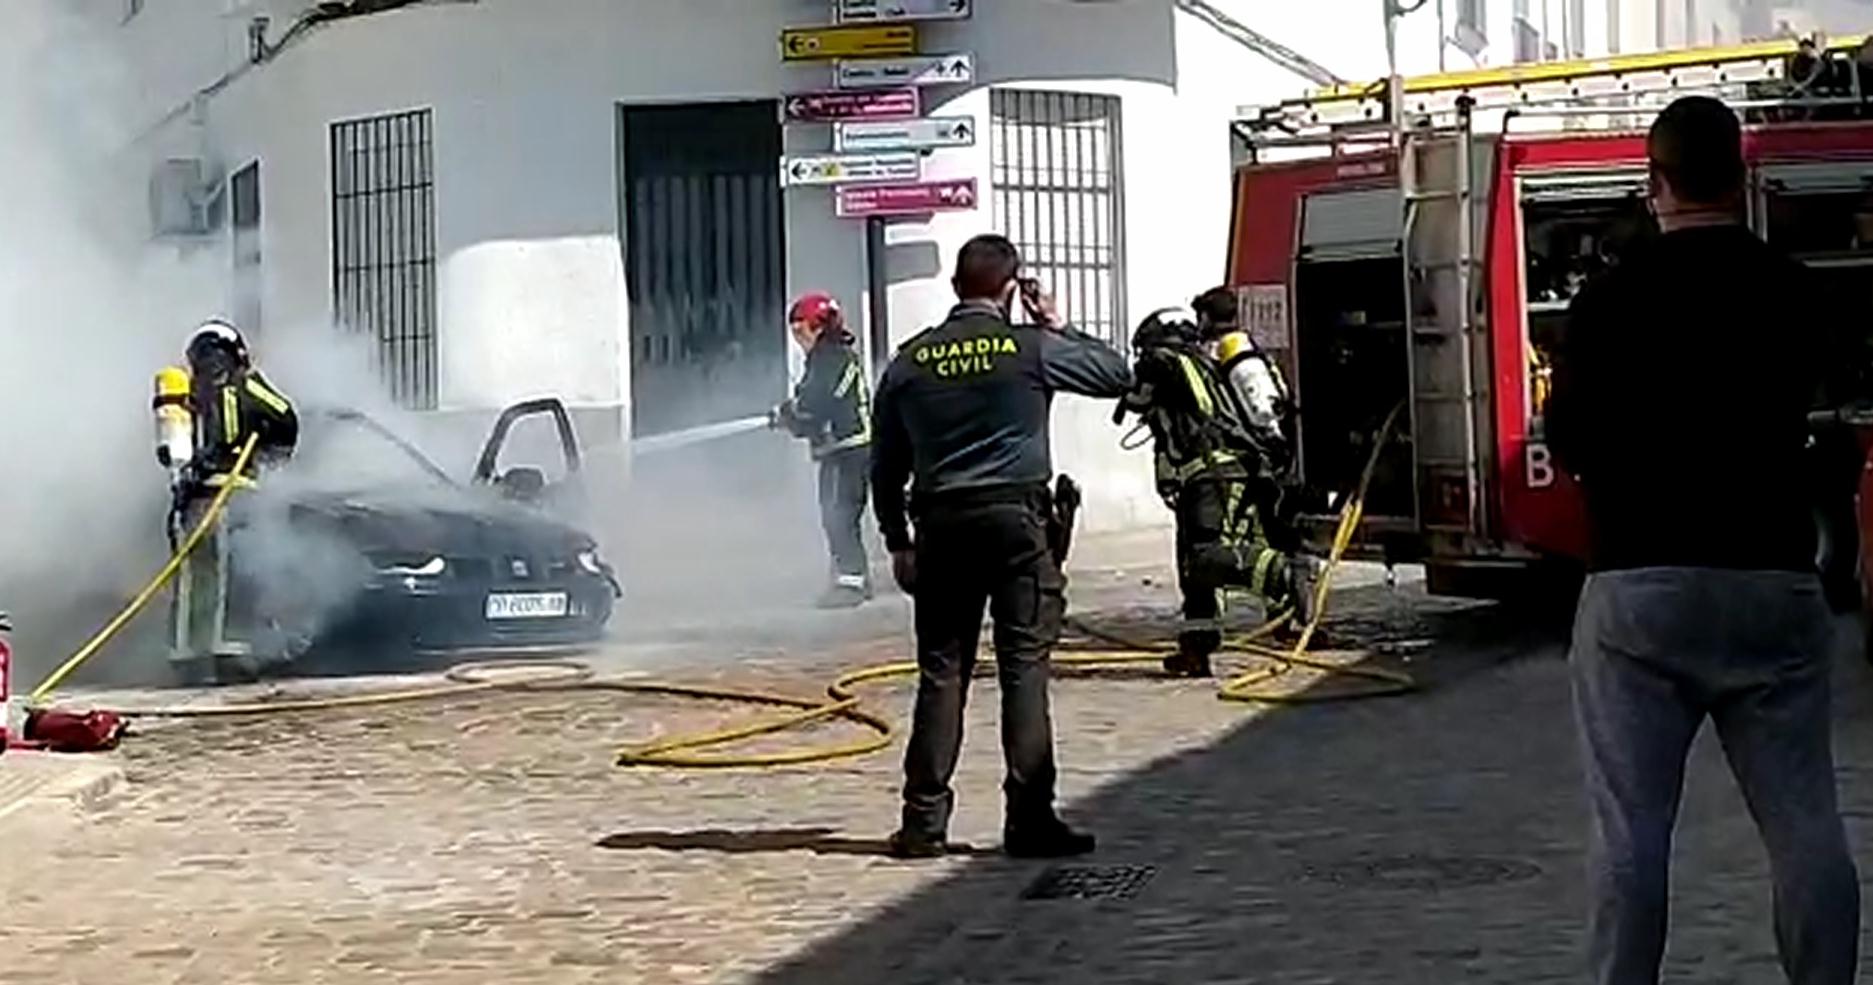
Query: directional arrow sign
814	44
850	169
937	131
925	70
864	201
869	104
902	10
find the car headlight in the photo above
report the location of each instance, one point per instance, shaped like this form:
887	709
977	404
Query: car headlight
428	569
590	562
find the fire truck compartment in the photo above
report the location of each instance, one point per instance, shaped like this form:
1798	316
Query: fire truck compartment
1352	365
1573	229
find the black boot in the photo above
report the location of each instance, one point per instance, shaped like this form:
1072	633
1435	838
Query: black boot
906	845
1194	648
1050	838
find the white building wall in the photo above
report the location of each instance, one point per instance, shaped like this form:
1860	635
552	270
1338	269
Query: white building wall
531	291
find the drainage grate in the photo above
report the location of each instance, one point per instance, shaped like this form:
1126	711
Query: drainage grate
1089	882
1417	872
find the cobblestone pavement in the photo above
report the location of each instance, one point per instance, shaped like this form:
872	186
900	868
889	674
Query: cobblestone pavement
1429	838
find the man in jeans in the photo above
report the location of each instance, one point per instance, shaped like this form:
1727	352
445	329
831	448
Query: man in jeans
1703	598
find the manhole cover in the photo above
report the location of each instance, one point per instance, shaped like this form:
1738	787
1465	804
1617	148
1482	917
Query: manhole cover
1421	872
1089	882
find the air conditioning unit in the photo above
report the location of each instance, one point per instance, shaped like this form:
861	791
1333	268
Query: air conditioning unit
182	198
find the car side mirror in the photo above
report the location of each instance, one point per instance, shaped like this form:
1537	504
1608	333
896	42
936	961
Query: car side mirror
524	484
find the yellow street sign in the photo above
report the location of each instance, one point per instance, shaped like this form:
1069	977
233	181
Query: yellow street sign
812	44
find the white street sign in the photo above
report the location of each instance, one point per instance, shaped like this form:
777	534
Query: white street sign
933	132
850	169
902	10
917	70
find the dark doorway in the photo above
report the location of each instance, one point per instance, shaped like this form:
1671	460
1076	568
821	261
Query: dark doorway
704	262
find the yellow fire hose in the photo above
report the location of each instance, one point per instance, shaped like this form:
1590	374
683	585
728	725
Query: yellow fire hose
841	701
209	518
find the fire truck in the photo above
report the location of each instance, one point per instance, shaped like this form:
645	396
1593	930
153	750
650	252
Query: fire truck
1428	264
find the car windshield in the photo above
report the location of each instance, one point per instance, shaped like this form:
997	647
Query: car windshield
346	450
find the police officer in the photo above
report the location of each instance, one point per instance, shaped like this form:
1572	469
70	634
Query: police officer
962	419
831	409
230	402
1213	470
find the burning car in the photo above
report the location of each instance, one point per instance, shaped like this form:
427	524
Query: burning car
365	547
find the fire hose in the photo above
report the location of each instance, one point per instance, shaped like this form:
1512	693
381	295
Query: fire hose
841	702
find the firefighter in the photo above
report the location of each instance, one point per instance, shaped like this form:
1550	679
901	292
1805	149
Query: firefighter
962	419
1213	471
229	402
831	409
1260	391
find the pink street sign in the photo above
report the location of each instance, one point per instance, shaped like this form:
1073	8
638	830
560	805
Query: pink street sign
866	201
853	104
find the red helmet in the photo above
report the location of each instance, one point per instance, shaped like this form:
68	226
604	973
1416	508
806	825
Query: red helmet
818	309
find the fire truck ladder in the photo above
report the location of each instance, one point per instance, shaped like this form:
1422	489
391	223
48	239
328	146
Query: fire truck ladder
1757	73
1446	340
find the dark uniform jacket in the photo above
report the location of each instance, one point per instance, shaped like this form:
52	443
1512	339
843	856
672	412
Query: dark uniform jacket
964	407
831	407
226	414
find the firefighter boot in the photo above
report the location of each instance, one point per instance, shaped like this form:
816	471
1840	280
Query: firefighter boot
1194	647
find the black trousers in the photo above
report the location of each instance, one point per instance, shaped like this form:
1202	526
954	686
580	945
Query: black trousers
1222	543
844	485
990	550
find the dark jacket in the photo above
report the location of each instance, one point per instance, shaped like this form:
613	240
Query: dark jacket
227	413
831	407
1683	386
964	407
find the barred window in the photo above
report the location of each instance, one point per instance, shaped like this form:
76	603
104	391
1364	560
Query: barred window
384	246
1059	195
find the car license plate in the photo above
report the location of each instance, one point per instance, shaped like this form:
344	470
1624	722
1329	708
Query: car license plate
527	605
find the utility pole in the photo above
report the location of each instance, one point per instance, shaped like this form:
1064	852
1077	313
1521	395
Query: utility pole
1394	83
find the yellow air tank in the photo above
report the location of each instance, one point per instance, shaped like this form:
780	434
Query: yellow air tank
175	424
1253	377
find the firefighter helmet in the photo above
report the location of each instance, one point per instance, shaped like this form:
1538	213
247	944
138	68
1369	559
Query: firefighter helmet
816	309
217	348
1167	327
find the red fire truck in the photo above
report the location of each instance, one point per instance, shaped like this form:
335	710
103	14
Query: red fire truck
1430	265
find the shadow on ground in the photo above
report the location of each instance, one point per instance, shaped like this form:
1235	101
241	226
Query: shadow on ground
819	841
1433	838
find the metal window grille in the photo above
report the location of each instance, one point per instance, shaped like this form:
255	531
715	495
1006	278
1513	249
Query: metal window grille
244	193
384	246
1059	195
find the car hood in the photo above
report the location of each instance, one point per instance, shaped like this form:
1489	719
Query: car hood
443	523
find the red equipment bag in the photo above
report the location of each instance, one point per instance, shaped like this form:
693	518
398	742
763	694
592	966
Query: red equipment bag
72	731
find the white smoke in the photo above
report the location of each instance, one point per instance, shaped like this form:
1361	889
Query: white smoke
82	330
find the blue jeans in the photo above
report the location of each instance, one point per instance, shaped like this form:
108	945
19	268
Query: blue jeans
1655	652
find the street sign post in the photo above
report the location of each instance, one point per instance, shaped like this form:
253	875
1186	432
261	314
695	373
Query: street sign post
816	44
923	70
850	169
877	201
870	137
868	104
902	10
